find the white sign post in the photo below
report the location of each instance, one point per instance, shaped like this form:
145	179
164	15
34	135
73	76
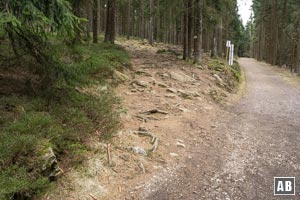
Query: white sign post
228	44
231	55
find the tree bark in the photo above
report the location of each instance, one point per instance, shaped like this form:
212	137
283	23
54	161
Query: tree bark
110	32
128	21
214	44
198	33
185	32
190	29
151	28
95	20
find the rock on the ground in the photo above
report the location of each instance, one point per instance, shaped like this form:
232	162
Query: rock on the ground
120	77
140	83
184	94
142	72
171	96
50	166
174	155
155	82
218	78
179	76
179	144
138	150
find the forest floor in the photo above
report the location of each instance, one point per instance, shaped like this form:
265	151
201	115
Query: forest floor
188	99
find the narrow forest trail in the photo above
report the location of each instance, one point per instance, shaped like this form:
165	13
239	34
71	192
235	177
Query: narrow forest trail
261	135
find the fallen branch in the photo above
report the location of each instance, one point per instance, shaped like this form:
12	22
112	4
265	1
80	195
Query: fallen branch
153	111
141	118
154	139
93	197
108	154
142	167
155	144
143	133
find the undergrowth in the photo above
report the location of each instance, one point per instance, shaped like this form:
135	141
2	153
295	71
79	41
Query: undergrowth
230	74
63	119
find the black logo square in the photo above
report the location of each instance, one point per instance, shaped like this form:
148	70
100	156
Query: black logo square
284	185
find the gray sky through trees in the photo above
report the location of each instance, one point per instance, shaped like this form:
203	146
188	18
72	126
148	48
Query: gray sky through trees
245	10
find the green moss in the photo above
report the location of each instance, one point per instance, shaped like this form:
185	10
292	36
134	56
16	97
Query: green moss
65	118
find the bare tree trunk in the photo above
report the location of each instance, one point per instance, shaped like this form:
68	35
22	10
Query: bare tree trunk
95	20
190	29
142	25
259	56
185	33
151	28
198	33
214	44
282	45
220	38
128	21
110	32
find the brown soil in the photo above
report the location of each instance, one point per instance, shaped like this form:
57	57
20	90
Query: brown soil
186	132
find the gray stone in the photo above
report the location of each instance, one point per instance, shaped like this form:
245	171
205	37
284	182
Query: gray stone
178	76
145	73
171	96
138	150
160	84
174	155
125	157
120	77
50	166
180	144
140	83
218	78
184	94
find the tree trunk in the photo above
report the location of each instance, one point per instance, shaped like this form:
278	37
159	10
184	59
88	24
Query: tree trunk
214	44
142	25
185	33
151	28
220	38
282	45
128	21
190	29
110	32
95	20
198	33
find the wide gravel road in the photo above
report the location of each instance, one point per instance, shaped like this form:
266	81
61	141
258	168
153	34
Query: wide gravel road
254	141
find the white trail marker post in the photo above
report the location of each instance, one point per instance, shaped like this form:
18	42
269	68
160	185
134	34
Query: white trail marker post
228	44
231	56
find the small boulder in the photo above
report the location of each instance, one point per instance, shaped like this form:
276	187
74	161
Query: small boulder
181	77
50	166
138	150
174	155
218	78
143	84
120	77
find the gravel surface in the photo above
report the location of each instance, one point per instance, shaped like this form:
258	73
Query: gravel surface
254	141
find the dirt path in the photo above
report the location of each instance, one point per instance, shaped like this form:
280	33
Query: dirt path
260	141
205	151
185	97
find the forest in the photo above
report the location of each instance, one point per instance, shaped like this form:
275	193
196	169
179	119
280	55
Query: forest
62	60
273	33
